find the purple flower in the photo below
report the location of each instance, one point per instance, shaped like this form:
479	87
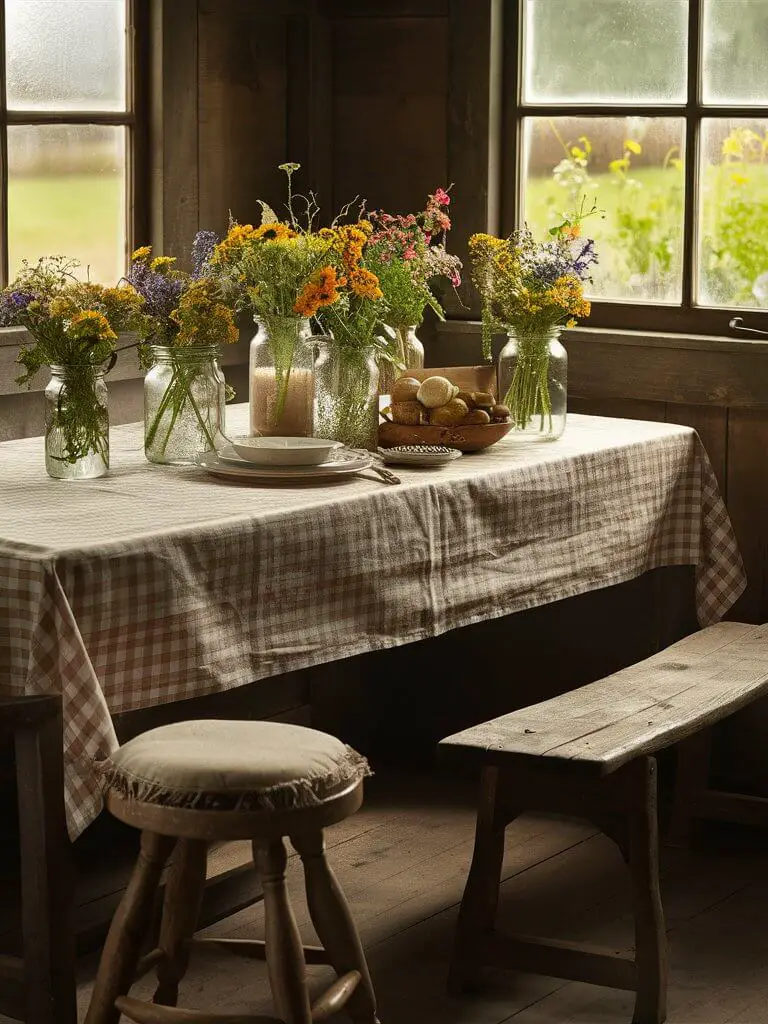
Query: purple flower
160	292
202	250
12	305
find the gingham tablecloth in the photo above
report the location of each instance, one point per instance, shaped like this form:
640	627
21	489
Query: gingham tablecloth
157	584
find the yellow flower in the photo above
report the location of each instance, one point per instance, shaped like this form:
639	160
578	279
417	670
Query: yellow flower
739	179
162	263
633	147
277	232
143	253
91	324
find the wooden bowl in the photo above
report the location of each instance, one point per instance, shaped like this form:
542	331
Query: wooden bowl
471	438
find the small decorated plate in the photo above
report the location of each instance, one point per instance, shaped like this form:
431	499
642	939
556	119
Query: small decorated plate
419	454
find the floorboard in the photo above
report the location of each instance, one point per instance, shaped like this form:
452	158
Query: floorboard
403	861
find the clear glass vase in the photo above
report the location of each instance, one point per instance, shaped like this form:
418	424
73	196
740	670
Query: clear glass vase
184	403
410	353
281	380
533	383
76	423
347	394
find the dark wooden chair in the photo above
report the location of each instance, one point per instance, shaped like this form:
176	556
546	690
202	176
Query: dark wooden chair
589	754
39	986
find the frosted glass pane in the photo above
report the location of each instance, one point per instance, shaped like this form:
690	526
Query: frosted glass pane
735	44
632	168
66	196
620	51
65	55
733	225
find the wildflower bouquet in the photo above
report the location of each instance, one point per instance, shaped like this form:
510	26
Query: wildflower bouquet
408	255
73	325
531	289
282	273
347	372
184	319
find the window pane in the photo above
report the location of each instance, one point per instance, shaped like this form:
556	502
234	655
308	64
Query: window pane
733	227
735	40
620	51
632	168
66	196
65	56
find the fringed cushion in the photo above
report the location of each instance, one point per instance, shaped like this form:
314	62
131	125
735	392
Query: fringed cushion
220	765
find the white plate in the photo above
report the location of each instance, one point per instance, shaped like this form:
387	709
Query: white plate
417	458
340	466
284	451
338	459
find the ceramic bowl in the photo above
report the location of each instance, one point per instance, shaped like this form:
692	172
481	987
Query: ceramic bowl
284	451
472	438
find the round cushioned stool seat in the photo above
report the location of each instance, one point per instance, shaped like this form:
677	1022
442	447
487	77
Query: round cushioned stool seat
233	766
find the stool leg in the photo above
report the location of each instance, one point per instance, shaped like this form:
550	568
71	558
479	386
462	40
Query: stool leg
284	951
477	913
181	909
650	933
335	925
129	927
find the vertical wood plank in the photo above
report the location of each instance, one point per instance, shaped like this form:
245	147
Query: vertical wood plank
474	103
389	121
747	491
242	110
174	127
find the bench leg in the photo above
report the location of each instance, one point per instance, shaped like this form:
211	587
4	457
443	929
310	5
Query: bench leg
650	933
181	909
477	914
691	780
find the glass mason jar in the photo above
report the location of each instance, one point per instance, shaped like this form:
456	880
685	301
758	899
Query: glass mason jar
76	423
533	383
347	394
184	403
281	381
410	353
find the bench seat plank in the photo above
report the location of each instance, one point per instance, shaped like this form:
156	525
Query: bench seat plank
637	711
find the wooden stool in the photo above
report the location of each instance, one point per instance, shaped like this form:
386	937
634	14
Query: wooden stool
191	783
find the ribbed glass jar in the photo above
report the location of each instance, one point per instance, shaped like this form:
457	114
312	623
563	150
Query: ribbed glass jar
410	352
76	423
281	381
533	383
184	403
347	394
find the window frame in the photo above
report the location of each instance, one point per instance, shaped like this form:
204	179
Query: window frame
134	119
685	317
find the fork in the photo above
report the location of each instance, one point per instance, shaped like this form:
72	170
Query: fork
384	474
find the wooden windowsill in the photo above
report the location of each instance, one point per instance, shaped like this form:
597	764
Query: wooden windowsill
641	339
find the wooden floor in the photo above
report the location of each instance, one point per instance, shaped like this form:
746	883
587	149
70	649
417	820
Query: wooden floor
403	860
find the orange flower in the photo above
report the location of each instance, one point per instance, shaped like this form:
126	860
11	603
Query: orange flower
365	284
320	290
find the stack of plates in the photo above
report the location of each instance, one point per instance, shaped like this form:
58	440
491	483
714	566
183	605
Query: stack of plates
279	458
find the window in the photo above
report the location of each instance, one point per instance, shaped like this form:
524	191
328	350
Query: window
656	111
68	133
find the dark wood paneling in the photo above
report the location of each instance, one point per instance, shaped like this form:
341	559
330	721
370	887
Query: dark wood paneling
243	100
474	112
624	408
174	127
747	491
390	78
711	424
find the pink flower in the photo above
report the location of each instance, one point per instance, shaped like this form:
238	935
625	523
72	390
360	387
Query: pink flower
442	197
409	253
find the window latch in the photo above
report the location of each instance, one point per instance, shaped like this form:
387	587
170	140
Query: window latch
737	324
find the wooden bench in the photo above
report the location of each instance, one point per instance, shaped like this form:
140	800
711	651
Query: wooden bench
589	754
